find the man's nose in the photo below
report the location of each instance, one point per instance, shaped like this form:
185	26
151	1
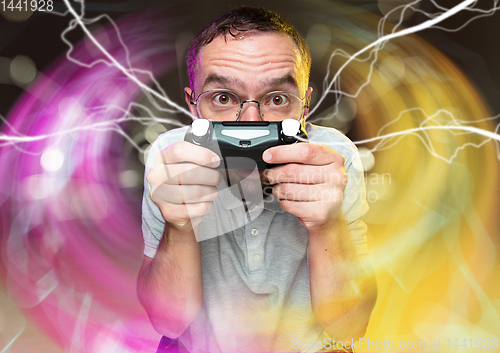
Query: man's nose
250	111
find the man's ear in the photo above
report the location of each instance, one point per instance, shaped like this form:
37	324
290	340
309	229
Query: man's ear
308	101
187	97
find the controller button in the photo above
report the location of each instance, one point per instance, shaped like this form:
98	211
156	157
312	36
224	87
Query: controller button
245	143
200	127
290	127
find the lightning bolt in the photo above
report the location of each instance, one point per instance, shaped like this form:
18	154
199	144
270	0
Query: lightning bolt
157	94
389	140
103	126
379	43
5	350
454	126
130	72
330	86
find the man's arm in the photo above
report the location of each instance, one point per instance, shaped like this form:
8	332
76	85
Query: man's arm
343	287
183	186
169	285
311	186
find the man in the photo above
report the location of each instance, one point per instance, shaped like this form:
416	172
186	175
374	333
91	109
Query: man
292	278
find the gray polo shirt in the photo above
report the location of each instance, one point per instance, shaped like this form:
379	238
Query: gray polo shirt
256	293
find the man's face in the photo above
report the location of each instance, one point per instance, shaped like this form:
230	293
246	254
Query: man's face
251	66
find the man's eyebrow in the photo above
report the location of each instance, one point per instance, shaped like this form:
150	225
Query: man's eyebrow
280	80
223	81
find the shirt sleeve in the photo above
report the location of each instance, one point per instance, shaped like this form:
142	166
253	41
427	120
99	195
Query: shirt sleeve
153	223
355	205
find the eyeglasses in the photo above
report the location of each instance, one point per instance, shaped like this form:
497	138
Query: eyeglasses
220	104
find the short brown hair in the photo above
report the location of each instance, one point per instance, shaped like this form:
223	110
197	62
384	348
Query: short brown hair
245	19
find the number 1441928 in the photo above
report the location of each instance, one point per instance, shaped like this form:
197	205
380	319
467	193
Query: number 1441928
27	5
479	343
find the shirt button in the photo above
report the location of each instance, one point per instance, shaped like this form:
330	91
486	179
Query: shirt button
254	231
256	257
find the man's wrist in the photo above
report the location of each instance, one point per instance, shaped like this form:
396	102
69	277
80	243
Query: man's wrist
333	224
173	235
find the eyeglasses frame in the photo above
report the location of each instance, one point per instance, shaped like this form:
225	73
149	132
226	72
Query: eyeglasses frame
194	101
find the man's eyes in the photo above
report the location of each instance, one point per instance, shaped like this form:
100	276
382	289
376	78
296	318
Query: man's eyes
224	98
271	100
276	100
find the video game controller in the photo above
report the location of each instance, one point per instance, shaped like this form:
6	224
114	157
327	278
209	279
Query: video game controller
240	144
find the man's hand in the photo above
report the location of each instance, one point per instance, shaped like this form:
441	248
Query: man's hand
183	184
310	184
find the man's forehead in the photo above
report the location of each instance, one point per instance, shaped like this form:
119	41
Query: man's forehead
252	48
246	37
229	81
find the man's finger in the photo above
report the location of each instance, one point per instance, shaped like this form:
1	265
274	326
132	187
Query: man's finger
306	193
183	194
184	151
190	174
304	153
302	174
